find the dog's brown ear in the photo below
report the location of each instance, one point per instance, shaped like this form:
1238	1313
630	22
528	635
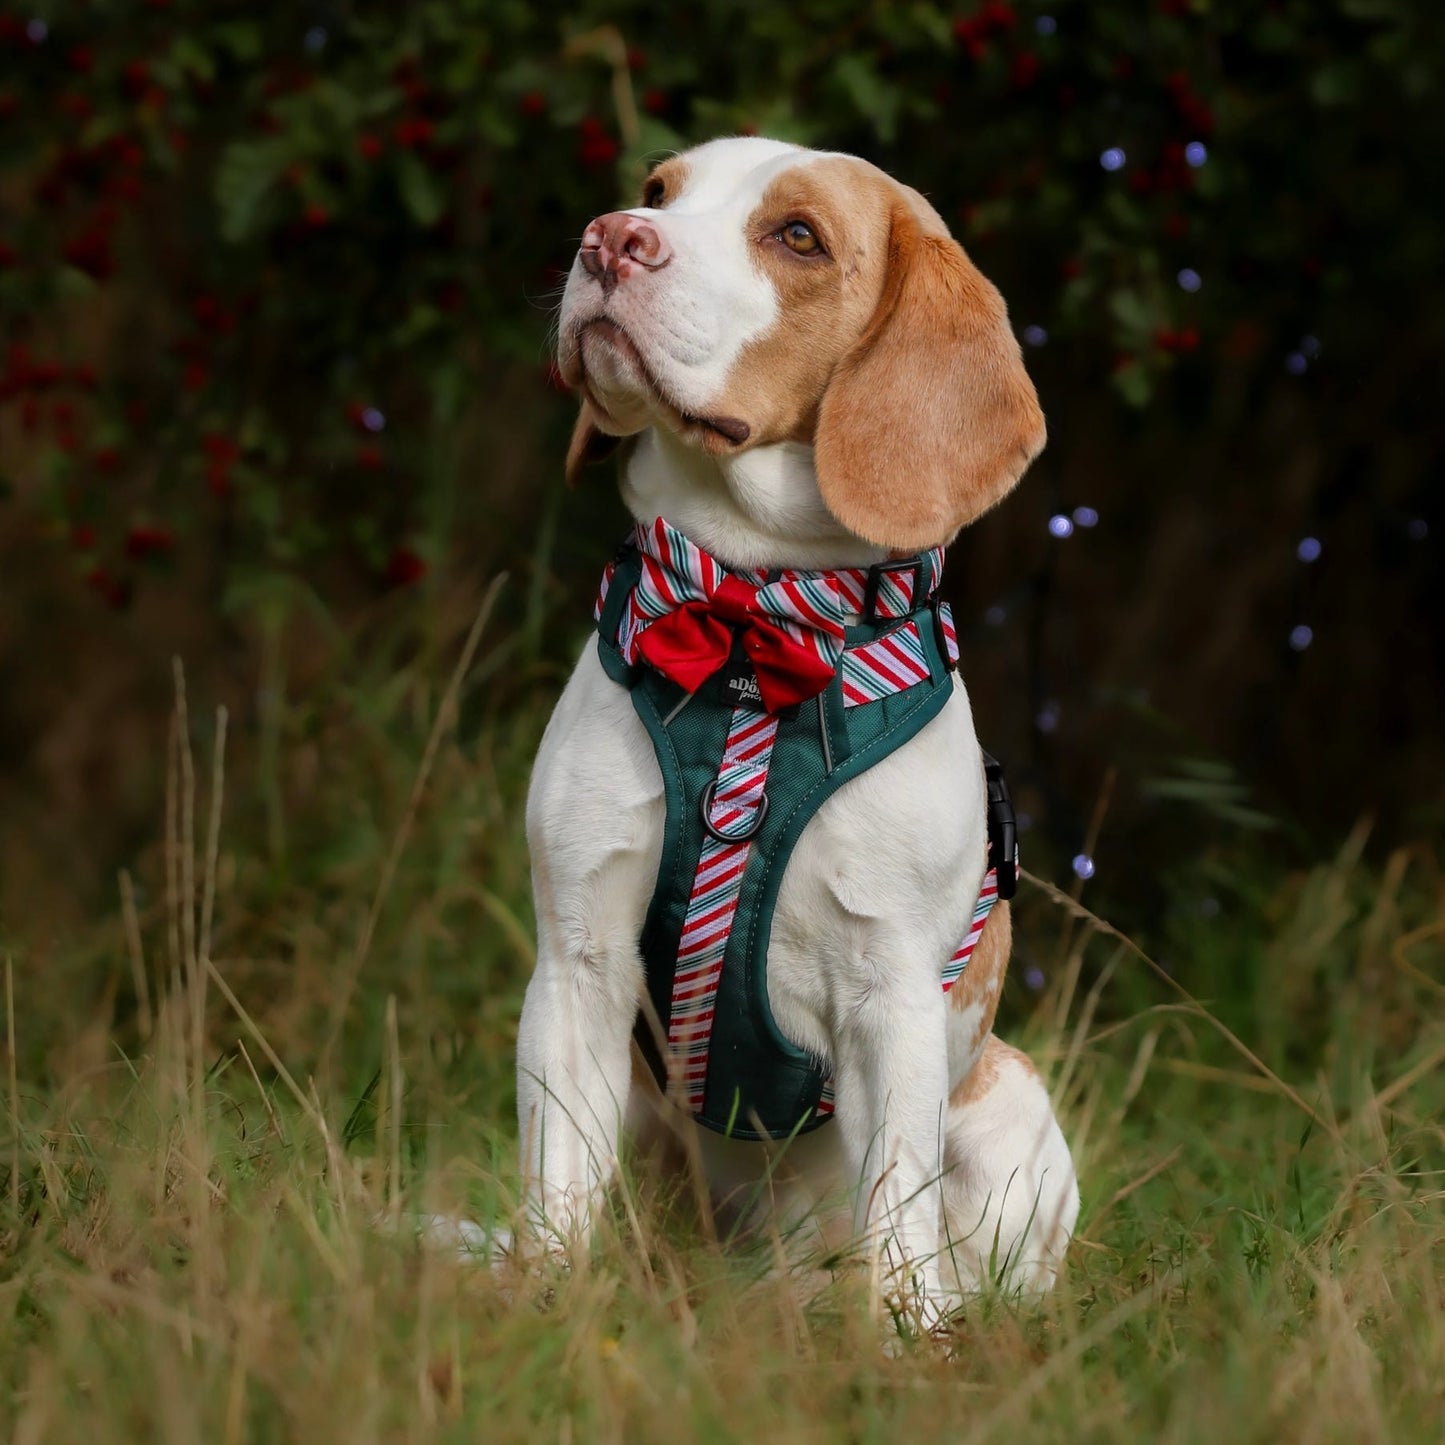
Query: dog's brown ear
931	418
589	444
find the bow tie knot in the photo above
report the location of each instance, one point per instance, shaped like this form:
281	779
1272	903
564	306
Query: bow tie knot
734	600
687	608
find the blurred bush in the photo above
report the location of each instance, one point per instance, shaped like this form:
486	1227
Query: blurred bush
275	287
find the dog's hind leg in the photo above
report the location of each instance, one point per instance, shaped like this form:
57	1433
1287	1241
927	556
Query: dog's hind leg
1010	1195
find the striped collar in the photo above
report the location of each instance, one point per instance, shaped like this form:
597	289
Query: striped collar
686	606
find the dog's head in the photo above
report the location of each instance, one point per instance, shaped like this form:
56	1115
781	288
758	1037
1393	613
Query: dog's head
762	293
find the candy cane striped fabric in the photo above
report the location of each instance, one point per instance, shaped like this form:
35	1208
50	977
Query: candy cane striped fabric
807	606
811	606
987	897
603	588
714	898
884	666
950	633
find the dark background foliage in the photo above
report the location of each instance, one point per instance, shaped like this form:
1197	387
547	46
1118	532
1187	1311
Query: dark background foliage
275	286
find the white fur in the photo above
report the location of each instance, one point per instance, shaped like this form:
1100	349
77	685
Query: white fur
942	1195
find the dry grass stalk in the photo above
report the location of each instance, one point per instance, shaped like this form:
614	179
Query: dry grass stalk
445	717
135	951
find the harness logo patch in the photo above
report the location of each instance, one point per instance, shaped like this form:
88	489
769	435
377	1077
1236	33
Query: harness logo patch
740	685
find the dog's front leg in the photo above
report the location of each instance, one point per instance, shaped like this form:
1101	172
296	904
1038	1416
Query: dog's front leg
573	1075
892	1099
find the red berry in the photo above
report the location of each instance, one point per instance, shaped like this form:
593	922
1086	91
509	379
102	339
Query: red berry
533	104
115	592
81	58
1166	339
218	479
82	536
106	459
998	16
404	567
369	457
220	448
654	102
368	146
195	376
1024	70
316	216
414	131
1188	339
90	252
148	541
598	149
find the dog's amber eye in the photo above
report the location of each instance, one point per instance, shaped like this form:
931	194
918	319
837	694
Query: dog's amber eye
798	236
652	194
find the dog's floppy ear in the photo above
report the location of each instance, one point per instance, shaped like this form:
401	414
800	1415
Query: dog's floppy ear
589	444
931	418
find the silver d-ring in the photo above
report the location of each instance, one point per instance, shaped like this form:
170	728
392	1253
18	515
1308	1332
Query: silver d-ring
759	814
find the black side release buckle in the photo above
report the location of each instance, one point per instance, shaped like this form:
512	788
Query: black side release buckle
1002	829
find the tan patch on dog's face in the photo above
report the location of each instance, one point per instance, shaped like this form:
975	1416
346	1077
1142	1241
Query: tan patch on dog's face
826	301
665	182
886	351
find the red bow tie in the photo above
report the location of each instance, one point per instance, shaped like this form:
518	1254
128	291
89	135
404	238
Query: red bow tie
687	608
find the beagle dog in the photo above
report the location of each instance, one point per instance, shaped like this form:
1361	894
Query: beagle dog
803	370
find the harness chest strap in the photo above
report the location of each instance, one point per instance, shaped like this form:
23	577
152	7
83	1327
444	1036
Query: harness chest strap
742	781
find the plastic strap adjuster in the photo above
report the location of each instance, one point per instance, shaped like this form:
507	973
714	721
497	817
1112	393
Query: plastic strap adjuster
877	572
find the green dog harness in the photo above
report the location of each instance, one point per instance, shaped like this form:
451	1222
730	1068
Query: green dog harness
762	696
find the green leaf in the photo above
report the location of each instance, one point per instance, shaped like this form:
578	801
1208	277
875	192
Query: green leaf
1134	383
1336	84
242	38
247	171
875	99
1131	311
420	192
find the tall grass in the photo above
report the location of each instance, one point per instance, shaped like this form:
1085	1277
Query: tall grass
221	1105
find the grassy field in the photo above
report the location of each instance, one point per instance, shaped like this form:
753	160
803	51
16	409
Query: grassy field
298	1027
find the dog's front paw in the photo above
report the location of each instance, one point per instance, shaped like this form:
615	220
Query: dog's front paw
468	1240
